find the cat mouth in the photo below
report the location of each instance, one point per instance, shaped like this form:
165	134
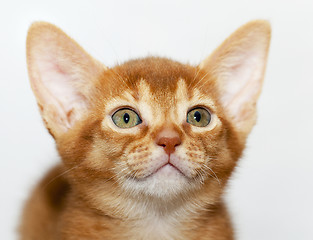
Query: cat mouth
169	166
165	167
167	170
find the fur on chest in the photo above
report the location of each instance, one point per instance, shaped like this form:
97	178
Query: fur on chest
157	228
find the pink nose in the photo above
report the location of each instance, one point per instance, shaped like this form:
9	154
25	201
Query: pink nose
169	140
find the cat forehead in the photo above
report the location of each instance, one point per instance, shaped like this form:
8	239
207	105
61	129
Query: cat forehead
158	73
182	92
163	98
162	78
158	85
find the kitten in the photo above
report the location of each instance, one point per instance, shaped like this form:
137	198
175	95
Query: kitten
148	146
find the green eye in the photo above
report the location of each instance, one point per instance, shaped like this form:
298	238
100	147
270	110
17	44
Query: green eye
126	118
199	117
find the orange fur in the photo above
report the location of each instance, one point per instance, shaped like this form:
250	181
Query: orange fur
160	179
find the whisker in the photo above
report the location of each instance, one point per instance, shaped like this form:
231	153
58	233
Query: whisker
60	175
200	84
215	176
196	75
109	179
200	174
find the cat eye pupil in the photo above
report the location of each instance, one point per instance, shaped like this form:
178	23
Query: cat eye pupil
197	116
126	117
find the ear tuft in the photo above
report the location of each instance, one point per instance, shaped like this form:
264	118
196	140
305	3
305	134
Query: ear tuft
238	67
62	76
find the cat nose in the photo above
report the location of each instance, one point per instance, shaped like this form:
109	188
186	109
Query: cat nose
169	140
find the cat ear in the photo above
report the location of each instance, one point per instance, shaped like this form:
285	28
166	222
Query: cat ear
62	75
238	67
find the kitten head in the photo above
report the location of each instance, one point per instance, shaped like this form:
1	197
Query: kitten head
151	127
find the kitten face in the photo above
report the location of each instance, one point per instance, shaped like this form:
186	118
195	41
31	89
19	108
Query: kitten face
150	128
134	157
145	166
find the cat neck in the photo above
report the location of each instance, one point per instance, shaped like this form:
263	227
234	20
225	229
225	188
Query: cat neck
154	220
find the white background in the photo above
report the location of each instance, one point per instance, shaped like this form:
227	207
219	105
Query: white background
271	193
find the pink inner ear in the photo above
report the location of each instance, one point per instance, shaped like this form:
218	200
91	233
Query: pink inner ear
238	66
58	89
242	81
61	73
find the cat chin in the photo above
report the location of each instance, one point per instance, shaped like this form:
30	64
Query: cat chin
167	182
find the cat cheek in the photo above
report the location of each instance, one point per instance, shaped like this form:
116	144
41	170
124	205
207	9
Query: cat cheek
144	160
189	160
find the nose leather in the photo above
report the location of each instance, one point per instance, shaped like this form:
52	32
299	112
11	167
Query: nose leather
169	139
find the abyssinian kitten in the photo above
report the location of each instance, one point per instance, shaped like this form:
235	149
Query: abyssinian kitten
147	146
